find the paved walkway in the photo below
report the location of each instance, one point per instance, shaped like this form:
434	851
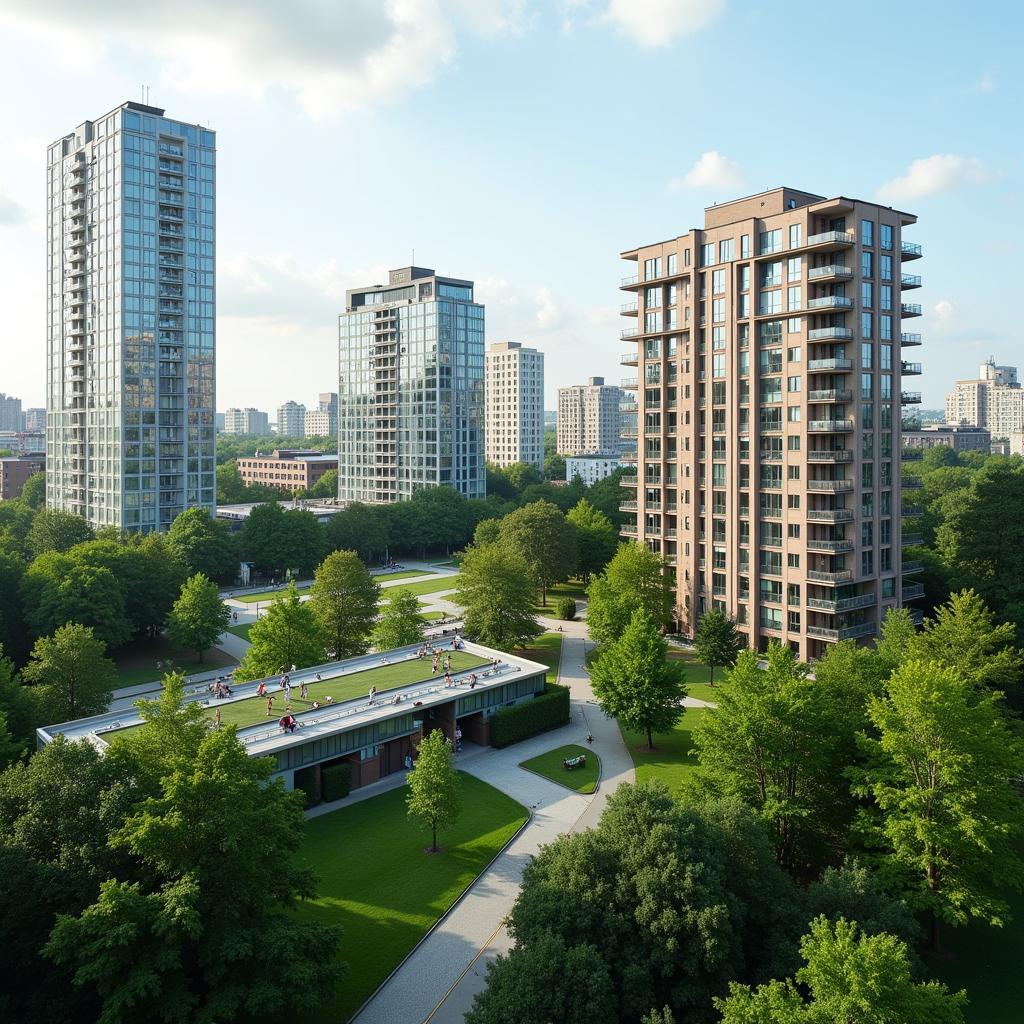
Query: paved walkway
438	981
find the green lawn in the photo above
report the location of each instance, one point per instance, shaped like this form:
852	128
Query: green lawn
384	677
431	616
547	649
385	892
266	595
573	589
136	663
403	575
241	630
582	780
432	586
698	676
673	758
986	962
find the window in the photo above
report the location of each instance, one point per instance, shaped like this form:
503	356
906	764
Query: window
652	269
867	294
793	532
652	322
886	295
793	354
718	366
792	472
793	443
718	282
867	561
793	383
743	283
719	336
886	268
718	311
652	297
793	560
885	327
769	302
771	274
886	362
725	250
866	381
794	268
793	501
867	232
771	389
743	306
865	325
769	241
885	231
867	264
794	236
744	247
707	254
793	414
793	298
673	263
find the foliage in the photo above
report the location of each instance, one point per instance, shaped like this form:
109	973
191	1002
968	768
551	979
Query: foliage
635	577
541	536
494	588
288	634
202	544
18	712
336	781
596	538
849	977
488	531
325	487
199	616
276	540
635	682
55	530
360	528
945	808
343	599
400	623
72	675
608	494
233	490
716	641
434	788
548	710
13	639
566	608
186	929
33	494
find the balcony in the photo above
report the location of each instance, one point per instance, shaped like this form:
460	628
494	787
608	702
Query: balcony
910	308
912	568
910	251
829	365
629	282
830	455
830	334
826	240
908	281
840	576
631	481
629	358
770	455
910	398
846	633
831	486
830	515
826	302
833	547
909	340
911	511
843	604
628	383
628	308
912	454
628	506
912	591
830	426
831	395
913	540
910	369
830	272
628	332
911	483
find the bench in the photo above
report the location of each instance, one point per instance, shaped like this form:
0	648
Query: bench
580	761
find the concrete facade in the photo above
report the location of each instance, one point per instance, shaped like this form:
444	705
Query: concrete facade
590	468
958	436
994	401
769	347
11	417
589	418
291	419
246	422
514	404
286	468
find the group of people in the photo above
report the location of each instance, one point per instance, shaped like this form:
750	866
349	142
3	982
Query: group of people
221	687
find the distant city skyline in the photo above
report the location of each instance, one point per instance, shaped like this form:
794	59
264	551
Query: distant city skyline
534	206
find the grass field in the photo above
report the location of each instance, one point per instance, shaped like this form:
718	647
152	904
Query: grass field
241	630
673	759
582	780
573	589
269	595
698	676
431	616
136	663
432	586
385	892
547	649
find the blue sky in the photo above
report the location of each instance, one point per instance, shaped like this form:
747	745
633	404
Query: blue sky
524	145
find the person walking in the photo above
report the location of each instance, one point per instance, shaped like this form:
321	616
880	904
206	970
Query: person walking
270	706
373	694
304	690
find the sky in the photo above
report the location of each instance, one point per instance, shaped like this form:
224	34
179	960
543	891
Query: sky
524	144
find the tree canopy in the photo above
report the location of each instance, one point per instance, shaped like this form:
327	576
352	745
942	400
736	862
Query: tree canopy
400	622
287	634
495	589
435	797
72	675
344	599
199	616
541	536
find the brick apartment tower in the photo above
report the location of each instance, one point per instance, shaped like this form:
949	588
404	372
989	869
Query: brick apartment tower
769	346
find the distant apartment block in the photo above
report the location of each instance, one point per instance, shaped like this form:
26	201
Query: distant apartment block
769	348
323	420
10	413
589	418
590	468
411	388
958	436
248	421
514	404
291	420
34	420
286	468
15	470
995	400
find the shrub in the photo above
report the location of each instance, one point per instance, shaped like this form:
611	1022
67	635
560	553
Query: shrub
548	710
336	781
306	782
566	608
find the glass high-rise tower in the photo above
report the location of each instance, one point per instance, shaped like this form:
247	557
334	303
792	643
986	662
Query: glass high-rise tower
411	388
131	208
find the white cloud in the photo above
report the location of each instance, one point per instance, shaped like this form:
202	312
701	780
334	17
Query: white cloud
549	315
712	170
657	22
331	57
933	175
945	310
11	211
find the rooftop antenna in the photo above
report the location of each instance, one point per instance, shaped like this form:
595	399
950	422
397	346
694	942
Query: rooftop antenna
414	256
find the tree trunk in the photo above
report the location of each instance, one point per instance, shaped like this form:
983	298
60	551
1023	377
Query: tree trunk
433	845
200	653
712	676
933	932
650	739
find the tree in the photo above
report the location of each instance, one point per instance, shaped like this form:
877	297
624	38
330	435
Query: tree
360	528
554	467
199	616
16	712
849	977
494	588
12	625
203	544
55	530
546	982
635	682
260	538
941	777
287	634
488	531
608	494
635	576
344	600
540	534
596	538
72	675
716	641
898	630
33	494
301	541
778	741
435	797
326	486
400	623
186	929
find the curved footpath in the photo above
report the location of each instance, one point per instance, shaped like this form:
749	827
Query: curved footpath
438	981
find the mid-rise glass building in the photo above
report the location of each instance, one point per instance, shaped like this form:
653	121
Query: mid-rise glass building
411	388
130	319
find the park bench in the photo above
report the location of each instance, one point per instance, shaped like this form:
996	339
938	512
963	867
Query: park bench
579	761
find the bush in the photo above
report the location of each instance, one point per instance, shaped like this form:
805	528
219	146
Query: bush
546	711
566	608
336	781
306	782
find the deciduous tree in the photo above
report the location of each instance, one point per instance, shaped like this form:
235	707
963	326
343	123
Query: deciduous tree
494	588
540	535
635	576
716	641
288	634
435	797
199	616
71	675
596	538
203	544
344	600
360	528
400	623
55	530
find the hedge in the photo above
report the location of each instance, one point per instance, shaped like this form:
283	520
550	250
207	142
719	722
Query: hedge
549	710
306	783
336	781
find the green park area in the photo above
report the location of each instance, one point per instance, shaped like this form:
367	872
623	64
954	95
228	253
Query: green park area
573	589
673	758
432	586
269	595
377	883
242	629
546	649
698	676
582	779
137	662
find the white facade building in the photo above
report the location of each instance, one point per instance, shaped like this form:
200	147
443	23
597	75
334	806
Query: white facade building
590	468
589	418
291	420
246	421
994	401
514	404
